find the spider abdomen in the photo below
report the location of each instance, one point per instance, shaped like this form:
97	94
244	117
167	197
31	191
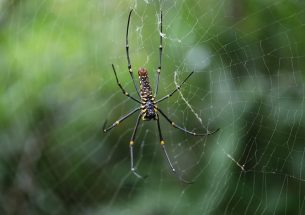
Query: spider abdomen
148	106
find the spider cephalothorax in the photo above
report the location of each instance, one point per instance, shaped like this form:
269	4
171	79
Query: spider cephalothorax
148	103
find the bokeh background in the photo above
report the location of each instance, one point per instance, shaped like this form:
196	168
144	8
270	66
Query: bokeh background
57	89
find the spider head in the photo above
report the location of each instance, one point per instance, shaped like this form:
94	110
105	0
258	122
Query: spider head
142	72
149	111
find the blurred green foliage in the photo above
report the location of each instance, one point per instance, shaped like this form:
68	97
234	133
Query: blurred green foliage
57	89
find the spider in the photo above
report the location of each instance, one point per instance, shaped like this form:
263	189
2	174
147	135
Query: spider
148	104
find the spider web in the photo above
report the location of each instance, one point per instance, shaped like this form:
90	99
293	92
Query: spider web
58	89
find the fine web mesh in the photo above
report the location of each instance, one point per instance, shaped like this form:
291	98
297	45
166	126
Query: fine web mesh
248	59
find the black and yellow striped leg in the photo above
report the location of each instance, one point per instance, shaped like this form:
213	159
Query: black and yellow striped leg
119	120
162	143
131	143
177	88
160	56
185	130
123	91
128	58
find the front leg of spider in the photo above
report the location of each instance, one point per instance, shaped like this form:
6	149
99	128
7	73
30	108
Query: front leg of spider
131	143
162	143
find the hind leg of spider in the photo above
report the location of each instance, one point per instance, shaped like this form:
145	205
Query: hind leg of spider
185	130
162	143
119	120
128	58
131	143
120	86
160	56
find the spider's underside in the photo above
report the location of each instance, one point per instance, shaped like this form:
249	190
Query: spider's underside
148	104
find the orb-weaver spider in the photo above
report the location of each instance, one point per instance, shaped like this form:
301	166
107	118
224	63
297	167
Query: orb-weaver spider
148	104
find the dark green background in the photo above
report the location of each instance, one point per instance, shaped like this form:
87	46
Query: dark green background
57	89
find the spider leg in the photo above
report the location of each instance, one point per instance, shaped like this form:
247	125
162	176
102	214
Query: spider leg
185	130
131	143
128	58
123	91
177	88
162	143
119	120
160	56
